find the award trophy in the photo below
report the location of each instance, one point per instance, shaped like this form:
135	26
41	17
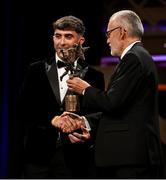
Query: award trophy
70	55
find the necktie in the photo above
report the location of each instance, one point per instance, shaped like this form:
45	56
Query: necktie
61	64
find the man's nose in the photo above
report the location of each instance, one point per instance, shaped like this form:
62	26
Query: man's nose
63	40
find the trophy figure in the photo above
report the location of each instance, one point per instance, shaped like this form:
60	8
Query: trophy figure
70	55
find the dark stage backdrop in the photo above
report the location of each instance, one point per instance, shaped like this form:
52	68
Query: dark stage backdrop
27	37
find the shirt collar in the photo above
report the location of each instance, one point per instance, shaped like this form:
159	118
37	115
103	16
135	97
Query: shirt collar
57	58
128	48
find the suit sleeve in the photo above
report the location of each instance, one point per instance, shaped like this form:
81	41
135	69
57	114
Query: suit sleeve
122	88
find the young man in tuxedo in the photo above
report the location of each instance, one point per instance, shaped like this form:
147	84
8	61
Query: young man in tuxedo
128	141
47	152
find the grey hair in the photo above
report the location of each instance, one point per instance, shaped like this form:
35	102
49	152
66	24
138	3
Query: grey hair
130	21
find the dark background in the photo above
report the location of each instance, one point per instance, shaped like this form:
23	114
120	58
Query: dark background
26	36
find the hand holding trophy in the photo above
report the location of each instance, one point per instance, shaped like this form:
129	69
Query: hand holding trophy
70	55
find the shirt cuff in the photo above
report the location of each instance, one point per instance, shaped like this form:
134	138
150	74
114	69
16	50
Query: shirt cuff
86	123
83	92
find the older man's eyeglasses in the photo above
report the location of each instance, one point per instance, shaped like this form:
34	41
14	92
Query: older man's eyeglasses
110	31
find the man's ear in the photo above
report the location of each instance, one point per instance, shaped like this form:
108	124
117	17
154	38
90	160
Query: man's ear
82	40
123	33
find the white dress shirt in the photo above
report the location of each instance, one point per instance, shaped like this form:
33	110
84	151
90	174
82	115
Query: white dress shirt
62	84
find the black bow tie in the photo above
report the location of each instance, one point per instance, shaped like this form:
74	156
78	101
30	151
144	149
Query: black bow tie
61	64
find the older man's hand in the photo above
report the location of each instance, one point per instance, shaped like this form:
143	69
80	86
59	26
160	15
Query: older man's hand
77	85
79	137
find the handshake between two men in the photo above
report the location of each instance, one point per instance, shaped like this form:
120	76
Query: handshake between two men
69	123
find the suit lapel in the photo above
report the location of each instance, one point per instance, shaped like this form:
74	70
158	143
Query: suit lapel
113	76
115	71
52	75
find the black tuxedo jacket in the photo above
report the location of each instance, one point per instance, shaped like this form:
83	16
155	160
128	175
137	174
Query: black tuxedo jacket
40	102
128	132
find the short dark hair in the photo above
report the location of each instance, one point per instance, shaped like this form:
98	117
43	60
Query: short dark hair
70	23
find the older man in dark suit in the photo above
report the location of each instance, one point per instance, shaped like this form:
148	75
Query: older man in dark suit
128	141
